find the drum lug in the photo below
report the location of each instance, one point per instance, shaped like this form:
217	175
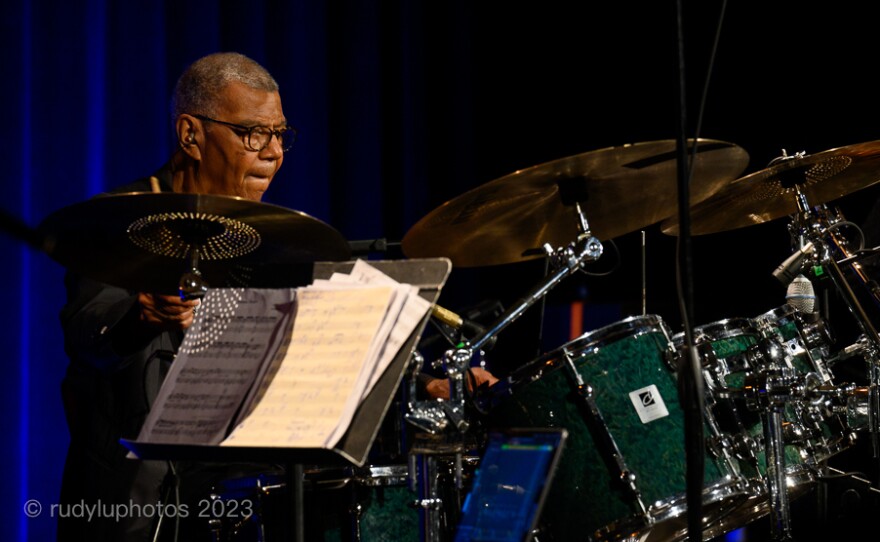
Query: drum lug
717	446
795	433
740	446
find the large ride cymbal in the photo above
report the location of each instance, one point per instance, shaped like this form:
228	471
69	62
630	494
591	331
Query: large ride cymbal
620	189
144	241
772	192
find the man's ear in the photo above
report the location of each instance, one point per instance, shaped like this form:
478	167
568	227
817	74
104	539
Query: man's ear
188	130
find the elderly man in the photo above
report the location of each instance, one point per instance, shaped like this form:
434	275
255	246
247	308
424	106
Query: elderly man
232	134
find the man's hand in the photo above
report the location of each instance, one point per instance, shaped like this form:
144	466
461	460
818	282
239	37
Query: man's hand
167	312
439	387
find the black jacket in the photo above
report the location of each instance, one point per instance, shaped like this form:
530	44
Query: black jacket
111	382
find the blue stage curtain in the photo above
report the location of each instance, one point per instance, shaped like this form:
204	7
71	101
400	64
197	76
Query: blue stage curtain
86	97
402	105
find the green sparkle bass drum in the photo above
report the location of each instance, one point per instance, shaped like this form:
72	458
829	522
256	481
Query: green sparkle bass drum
622	475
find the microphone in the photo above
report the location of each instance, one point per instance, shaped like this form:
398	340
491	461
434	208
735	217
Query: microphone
792	266
801	295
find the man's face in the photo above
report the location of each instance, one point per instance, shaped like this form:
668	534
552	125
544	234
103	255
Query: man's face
227	166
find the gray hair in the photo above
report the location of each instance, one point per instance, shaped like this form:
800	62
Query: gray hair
199	87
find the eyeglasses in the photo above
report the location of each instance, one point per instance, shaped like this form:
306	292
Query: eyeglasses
258	137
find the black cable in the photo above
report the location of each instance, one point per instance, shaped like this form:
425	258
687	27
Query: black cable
690	401
689	375
614	267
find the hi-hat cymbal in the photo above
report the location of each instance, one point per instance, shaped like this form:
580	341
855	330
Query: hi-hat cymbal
772	192
144	241
620	189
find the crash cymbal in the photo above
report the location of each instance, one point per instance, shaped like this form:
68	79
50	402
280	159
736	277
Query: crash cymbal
771	193
621	189
144	241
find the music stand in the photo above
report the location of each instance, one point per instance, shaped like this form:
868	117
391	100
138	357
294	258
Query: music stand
429	275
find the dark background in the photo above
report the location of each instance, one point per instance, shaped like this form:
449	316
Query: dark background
402	106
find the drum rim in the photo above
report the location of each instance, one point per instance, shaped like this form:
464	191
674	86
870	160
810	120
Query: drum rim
675	507
636	326
777	313
746	326
631	326
798	482
552	360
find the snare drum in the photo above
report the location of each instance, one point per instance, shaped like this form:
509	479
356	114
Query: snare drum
377	503
370	503
340	504
626	366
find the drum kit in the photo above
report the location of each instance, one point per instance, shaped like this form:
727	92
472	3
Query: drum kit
774	412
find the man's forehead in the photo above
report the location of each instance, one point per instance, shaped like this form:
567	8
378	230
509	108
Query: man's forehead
245	103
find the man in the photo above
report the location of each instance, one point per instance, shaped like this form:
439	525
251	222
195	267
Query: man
232	134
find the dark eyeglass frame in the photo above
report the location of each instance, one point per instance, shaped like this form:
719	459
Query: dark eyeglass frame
249	132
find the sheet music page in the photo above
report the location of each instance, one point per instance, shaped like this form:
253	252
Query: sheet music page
319	382
413	309
235	332
405	313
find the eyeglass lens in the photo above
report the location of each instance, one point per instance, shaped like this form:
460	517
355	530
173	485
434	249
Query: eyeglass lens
259	138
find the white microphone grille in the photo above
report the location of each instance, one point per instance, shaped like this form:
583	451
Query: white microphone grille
801	295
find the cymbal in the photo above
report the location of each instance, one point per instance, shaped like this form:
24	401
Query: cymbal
143	241
771	193
620	189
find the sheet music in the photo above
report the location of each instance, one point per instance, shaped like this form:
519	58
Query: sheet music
320	381
413	309
284	367
217	364
404	315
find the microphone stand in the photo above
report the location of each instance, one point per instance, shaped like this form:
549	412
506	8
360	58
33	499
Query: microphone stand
690	383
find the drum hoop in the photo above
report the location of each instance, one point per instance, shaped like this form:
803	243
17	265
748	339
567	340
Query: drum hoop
722	329
674	507
632	326
774	315
382	475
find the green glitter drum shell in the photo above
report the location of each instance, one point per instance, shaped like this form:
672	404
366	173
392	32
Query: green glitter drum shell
626	365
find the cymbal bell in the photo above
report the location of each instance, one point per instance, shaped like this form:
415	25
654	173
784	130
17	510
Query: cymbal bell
620	190
145	241
772	192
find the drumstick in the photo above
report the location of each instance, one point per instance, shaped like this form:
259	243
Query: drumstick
447	317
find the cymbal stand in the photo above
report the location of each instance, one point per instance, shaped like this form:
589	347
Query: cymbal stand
809	224
436	417
566	260
192	285
194	236
768	391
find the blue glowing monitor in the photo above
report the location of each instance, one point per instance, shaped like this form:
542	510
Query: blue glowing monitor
510	485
